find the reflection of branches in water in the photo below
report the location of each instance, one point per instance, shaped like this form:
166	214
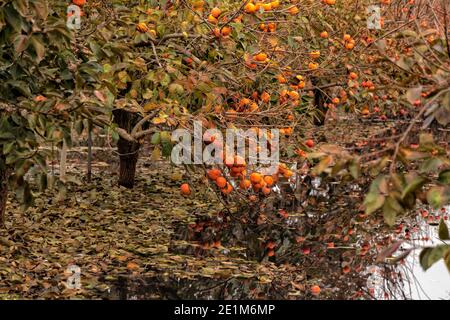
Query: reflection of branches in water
409	270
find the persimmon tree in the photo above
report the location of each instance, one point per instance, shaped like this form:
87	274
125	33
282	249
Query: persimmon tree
227	64
410	166
44	87
35	78
141	69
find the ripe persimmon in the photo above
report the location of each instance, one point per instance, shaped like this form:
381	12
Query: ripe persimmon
40	98
185	189
212	19
293	95
265	190
349	46
215	12
142	27
287	173
309	143
293	10
281	79
315	290
79	3
226	31
260	57
255	178
265	97
313	66
253	107
324	34
288	131
227	189
353	75
213	174
221	182
268	180
245	184
314	54
267	6
306	251
216	32
365	112
250	8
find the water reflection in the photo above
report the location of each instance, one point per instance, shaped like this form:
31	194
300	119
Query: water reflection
435	282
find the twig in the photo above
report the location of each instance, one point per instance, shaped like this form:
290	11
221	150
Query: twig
156	54
411	125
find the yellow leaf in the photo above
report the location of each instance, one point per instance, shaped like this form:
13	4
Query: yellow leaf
133	266
158	120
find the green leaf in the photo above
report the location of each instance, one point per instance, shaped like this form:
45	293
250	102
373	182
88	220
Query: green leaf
431	255
322	165
13	18
413	94
72	179
176	89
437	197
389	216
403	63
156	154
444	176
373	202
156	138
415	184
431	165
391	208
407	33
39	48
6	136
115	135
7	147
443	231
443	113
41	8
20	43
354	169
20	86
426	139
446	257
409	154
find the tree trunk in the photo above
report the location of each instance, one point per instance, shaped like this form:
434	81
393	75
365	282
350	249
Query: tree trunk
89	162
320	99
63	161
128	151
4	175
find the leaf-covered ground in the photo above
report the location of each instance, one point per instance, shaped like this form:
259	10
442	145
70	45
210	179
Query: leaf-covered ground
127	242
109	231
